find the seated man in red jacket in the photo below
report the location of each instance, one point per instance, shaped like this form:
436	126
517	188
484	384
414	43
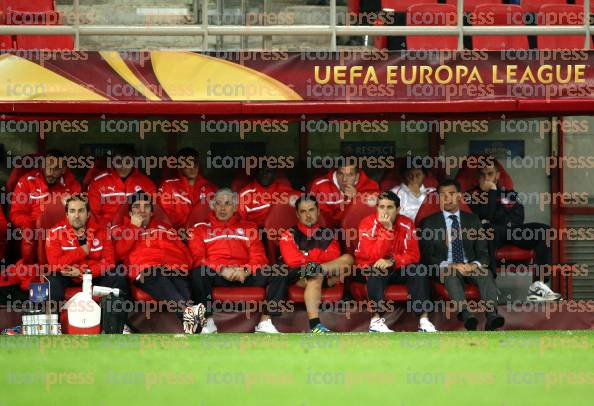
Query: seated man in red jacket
53	183
312	252
157	260
338	189
180	194
111	189
257	198
388	252
77	245
227	251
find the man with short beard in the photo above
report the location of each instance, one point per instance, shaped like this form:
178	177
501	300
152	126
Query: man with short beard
77	245
312	254
178	195
339	188
257	198
111	189
52	183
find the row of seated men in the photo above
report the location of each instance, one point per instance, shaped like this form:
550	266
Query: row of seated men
329	196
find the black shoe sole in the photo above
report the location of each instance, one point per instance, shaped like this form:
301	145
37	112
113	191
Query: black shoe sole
494	323
471	323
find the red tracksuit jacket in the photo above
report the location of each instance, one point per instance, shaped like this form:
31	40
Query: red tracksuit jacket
376	242
304	250
331	200
156	245
32	192
107	192
62	248
234	242
177	197
255	200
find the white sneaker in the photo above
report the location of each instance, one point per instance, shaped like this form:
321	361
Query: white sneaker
425	326
209	326
266	326
540	292
127	329
379	326
193	318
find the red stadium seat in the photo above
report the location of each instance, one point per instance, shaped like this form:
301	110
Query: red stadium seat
98	167
354	6
30	5
429	15
471	291
468	177
469	5
510	253
6	42
498	14
561	14
281	217
394	292
581	3
199	214
356	212
243	294
533	6
240	180
329	295
52	42
51	215
402	5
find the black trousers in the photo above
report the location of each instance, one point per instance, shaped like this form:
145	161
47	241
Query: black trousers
415	277
205	278
454	283
168	285
59	282
530	236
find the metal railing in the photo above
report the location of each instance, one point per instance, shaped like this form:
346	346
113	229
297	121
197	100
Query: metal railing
332	30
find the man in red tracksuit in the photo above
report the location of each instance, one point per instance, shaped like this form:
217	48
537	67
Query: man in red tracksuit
227	251
338	189
77	245
257	198
312	252
109	190
156	259
35	189
387	253
180	194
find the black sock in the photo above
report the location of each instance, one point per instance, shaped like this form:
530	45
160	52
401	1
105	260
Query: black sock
314	322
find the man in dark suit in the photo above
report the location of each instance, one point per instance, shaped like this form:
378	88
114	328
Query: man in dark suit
454	242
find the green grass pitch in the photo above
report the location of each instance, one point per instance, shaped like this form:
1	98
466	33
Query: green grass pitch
518	368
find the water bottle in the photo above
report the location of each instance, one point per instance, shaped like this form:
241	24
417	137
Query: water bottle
87	281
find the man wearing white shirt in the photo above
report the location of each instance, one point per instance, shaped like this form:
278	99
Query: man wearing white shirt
453	240
412	192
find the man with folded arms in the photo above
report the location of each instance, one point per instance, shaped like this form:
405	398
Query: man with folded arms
312	254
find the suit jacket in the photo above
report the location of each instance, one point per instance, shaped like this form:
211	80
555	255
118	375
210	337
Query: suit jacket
433	234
